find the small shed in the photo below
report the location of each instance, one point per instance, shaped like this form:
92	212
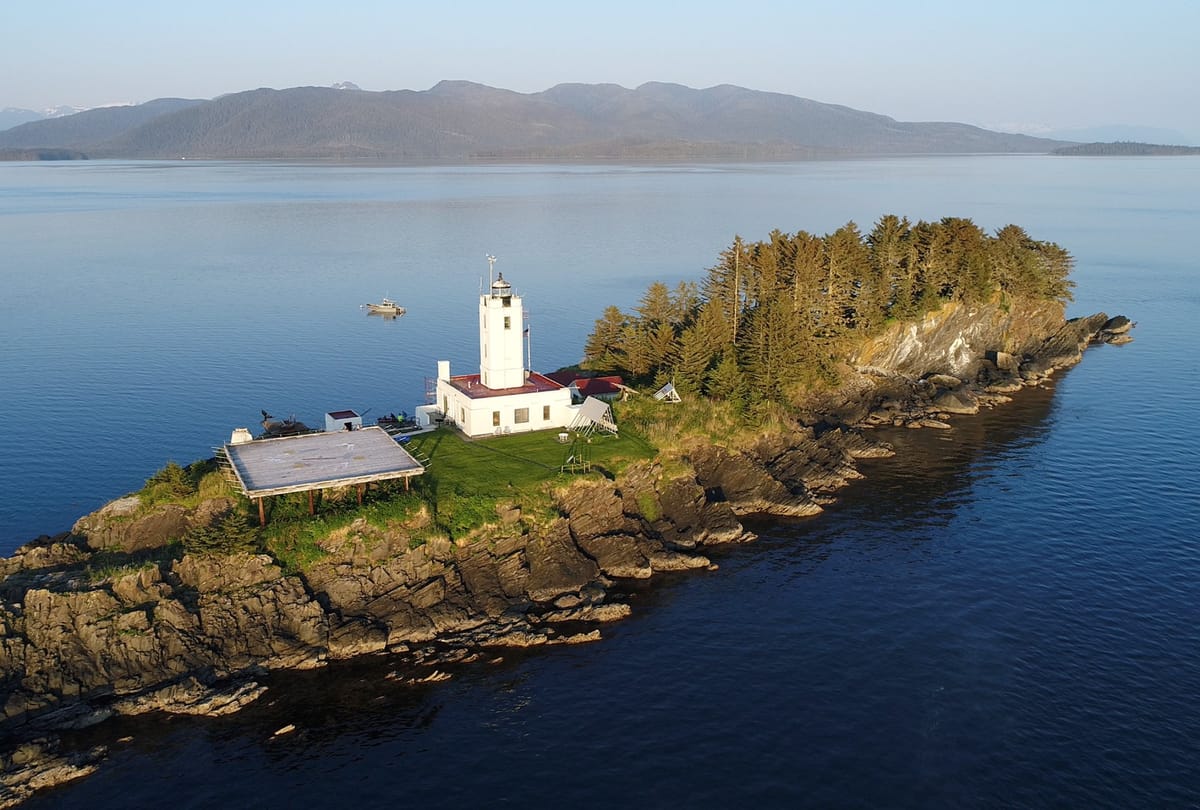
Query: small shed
342	420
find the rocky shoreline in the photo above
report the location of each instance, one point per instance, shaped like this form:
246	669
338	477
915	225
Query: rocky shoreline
99	621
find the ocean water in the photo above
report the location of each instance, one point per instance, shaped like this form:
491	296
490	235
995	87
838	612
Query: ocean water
1003	615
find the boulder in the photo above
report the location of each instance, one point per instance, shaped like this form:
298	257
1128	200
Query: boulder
142	586
956	402
595	508
39	764
946	381
212	573
1005	362
689	519
747	486
618	555
1117	325
556	565
114	530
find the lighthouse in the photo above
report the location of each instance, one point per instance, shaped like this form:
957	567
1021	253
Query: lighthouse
505	396
501	337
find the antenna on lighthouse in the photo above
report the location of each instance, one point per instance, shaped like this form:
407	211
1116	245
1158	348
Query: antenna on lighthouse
491	266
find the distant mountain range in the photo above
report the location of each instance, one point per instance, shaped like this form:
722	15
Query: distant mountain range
458	120
14	116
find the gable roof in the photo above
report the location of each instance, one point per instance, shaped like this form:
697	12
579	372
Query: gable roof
598	386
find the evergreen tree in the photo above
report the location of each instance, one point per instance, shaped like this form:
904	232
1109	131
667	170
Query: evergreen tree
663	347
230	533
723	287
1054	265
685	300
969	259
807	281
638	350
725	382
770	350
846	263
695	360
889	249
604	349
656	306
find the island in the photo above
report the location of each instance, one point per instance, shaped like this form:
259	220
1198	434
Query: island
753	392
1124	149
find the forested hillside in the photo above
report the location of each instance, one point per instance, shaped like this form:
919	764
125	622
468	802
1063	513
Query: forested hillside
774	317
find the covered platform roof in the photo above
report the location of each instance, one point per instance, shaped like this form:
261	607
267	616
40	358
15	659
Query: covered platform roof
319	461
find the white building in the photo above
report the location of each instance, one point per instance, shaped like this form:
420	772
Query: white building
504	397
342	420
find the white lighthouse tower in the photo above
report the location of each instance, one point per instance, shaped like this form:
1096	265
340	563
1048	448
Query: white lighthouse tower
501	337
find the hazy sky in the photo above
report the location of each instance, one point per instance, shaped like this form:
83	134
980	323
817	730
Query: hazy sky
1004	64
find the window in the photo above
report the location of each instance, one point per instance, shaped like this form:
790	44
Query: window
495	418
507	322
545	413
521	416
462	416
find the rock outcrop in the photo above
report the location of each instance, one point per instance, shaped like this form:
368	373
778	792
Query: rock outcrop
959	359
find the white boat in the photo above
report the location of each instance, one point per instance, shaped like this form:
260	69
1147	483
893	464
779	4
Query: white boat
385	307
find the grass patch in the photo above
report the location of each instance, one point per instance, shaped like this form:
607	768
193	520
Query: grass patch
294	537
460	491
187	486
107	565
296	545
467	479
516	462
648	506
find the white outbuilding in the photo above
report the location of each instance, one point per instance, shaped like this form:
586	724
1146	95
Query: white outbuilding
342	420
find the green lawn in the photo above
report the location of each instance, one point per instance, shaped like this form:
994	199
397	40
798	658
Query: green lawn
519	461
467	479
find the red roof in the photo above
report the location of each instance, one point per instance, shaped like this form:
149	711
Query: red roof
563	377
598	386
469	384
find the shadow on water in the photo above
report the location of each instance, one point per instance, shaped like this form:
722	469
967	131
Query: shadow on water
933	471
919	490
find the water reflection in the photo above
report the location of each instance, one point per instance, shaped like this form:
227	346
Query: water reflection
933	472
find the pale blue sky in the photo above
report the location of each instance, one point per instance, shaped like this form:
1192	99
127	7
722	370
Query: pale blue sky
1007	64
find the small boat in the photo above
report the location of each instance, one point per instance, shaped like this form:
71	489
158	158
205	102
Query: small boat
386	307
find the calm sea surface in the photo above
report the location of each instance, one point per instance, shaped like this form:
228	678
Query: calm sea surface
1006	614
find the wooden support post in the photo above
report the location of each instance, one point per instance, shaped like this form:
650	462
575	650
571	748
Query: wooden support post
310	503
262	514
406	482
361	488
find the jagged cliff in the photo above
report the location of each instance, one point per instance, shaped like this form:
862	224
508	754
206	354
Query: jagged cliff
106	619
